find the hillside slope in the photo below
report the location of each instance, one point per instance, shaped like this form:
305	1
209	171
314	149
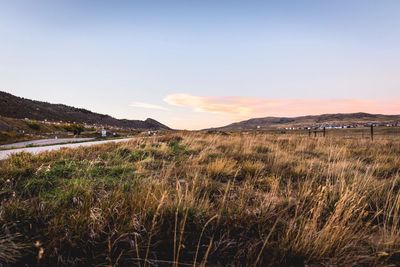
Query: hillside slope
311	120
17	107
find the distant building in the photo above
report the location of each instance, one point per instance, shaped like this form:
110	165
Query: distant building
103	133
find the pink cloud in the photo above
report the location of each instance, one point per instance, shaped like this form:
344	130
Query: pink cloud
246	107
229	105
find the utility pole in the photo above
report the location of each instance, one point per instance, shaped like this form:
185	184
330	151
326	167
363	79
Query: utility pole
372	132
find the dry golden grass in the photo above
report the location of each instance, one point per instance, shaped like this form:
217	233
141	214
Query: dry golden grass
222	168
204	199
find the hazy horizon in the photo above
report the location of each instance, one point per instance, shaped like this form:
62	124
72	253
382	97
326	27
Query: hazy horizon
201	64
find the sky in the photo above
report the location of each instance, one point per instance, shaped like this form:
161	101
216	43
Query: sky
198	64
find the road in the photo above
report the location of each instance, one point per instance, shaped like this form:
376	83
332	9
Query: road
44	142
4	154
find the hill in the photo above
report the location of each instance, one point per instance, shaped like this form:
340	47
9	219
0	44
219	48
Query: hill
339	119
20	108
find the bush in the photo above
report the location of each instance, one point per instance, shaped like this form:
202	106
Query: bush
33	125
77	129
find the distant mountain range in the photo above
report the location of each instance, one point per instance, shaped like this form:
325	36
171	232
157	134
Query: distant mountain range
311	121
20	108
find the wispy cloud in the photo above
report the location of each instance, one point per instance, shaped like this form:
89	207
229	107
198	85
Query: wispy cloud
147	106
229	105
242	107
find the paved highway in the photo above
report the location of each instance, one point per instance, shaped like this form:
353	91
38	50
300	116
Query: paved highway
44	142
4	154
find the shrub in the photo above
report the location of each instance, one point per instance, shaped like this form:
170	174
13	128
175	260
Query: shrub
77	129
33	125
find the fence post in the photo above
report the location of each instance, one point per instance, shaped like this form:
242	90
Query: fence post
309	132
324	131
372	132
315	133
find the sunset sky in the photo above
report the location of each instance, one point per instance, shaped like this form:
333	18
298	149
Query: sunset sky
197	64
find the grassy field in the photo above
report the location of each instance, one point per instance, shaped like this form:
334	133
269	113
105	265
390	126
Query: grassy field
197	199
380	132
